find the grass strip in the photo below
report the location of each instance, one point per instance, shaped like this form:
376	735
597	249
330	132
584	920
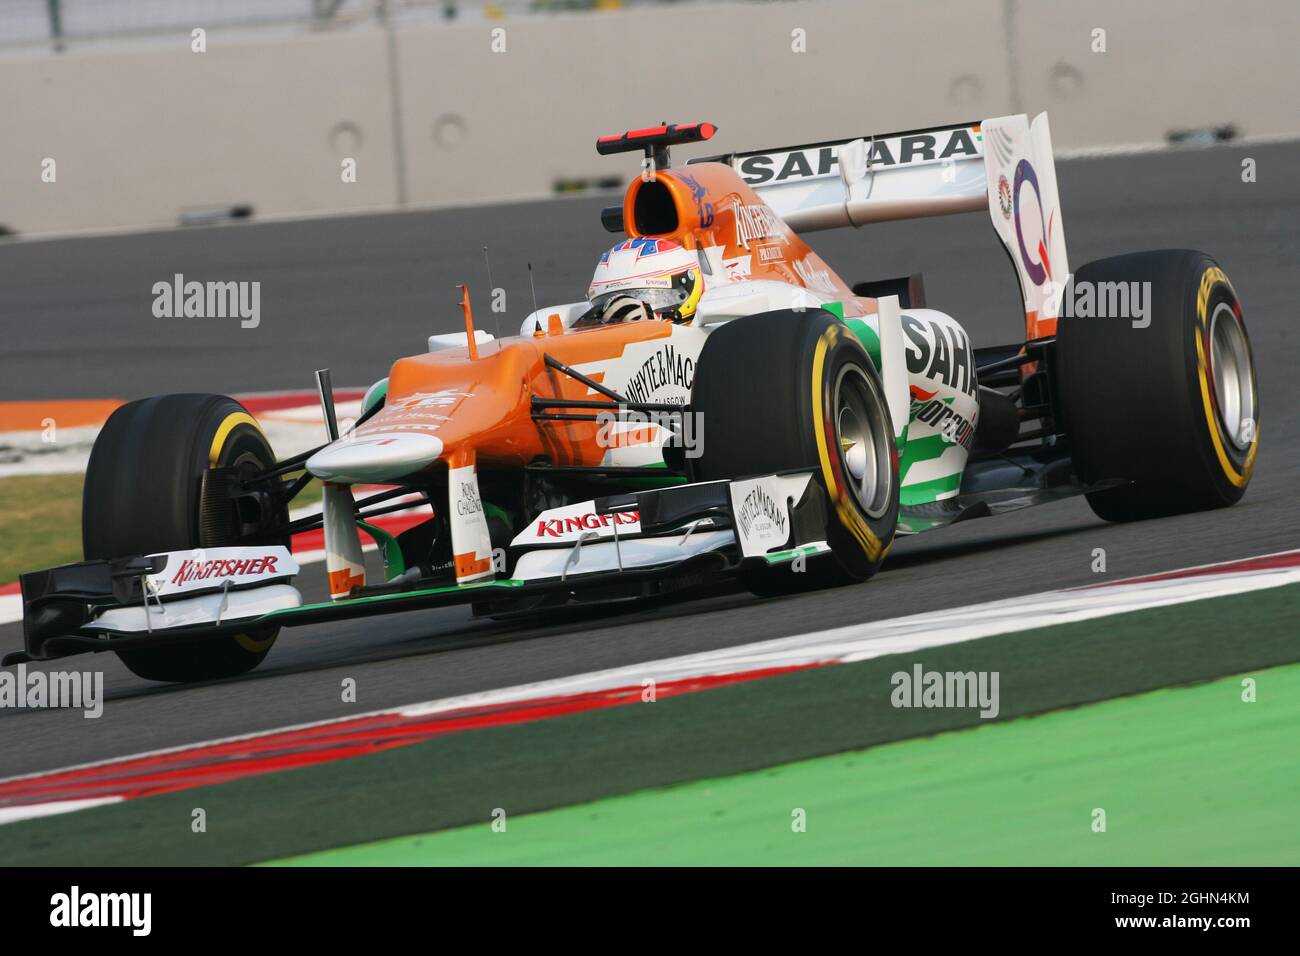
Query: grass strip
460	779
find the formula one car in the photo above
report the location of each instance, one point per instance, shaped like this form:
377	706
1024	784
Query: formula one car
721	404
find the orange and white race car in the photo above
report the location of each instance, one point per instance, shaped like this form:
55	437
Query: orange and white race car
721	403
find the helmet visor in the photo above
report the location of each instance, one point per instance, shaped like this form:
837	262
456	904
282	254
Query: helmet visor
657	299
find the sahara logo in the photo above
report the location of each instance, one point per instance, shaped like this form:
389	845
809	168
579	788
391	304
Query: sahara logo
939	352
815	162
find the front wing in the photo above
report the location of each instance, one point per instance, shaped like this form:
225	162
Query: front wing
625	545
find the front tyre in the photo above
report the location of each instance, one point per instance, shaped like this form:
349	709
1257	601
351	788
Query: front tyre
795	390
143	494
1168	400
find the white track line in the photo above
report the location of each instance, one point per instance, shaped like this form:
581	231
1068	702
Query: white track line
846	644
902	635
52	808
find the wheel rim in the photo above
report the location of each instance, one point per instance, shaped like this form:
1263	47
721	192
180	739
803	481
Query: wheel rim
862	435
1234	376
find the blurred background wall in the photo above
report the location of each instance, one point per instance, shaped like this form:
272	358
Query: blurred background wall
461	102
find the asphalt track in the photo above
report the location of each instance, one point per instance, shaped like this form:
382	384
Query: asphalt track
352	293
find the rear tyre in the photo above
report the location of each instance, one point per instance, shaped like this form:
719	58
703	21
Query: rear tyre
1173	406
142	495
795	390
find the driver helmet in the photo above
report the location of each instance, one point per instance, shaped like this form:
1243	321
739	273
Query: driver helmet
662	273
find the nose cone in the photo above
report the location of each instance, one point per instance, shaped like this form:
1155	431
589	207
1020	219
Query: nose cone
377	457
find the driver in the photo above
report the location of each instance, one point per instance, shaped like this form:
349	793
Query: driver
645	278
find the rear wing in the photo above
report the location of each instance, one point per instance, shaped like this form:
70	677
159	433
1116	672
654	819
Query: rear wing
1004	164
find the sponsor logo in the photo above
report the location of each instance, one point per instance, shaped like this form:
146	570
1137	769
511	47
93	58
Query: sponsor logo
441	399
642	246
467	500
770	253
741	267
817	161
667	367
760	509
258	566
471	542
703	210
937	414
1038	270
762	515
589	521
756	222
413	413
814	277
796	164
940	352
1004	197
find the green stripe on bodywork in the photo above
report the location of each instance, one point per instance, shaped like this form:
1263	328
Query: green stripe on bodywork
394	562
401	595
924	492
496	511
651	481
867	336
376	394
808	550
921	449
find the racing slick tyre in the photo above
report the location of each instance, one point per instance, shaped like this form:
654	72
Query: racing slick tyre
1166	401
143	495
795	390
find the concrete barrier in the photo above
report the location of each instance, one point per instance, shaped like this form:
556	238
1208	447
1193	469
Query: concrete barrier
1168	65
138	136
468	114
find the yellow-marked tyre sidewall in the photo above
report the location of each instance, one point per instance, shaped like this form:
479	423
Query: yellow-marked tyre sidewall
143	489
239	432
763	387
1136	395
1236	465
858	543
